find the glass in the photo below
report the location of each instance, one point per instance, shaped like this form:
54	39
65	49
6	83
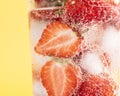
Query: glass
75	47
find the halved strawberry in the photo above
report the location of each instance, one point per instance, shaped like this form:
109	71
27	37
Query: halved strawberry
58	40
59	79
95	85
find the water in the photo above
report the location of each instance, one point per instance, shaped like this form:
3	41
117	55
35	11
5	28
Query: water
98	55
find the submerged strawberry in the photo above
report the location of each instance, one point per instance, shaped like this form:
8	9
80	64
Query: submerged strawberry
46	13
59	79
97	86
58	40
82	12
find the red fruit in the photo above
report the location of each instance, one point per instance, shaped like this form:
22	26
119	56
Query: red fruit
59	79
45	14
79	12
97	86
58	40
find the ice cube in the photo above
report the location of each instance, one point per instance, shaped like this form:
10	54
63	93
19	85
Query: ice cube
111	44
110	38
116	1
91	63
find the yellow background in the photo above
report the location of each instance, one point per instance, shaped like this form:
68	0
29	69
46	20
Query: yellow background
15	63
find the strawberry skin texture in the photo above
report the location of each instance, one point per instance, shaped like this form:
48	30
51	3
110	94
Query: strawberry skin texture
45	15
59	79
89	11
97	86
58	40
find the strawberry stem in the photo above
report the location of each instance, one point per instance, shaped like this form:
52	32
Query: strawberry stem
84	31
61	60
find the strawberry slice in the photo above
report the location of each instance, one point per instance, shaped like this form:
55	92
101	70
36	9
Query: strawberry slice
58	40
95	85
59	79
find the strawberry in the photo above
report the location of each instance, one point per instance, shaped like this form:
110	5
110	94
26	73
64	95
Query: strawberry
49	3
59	79
58	40
97	86
46	14
86	12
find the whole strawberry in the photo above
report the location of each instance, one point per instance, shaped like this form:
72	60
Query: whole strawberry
95	85
86	12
